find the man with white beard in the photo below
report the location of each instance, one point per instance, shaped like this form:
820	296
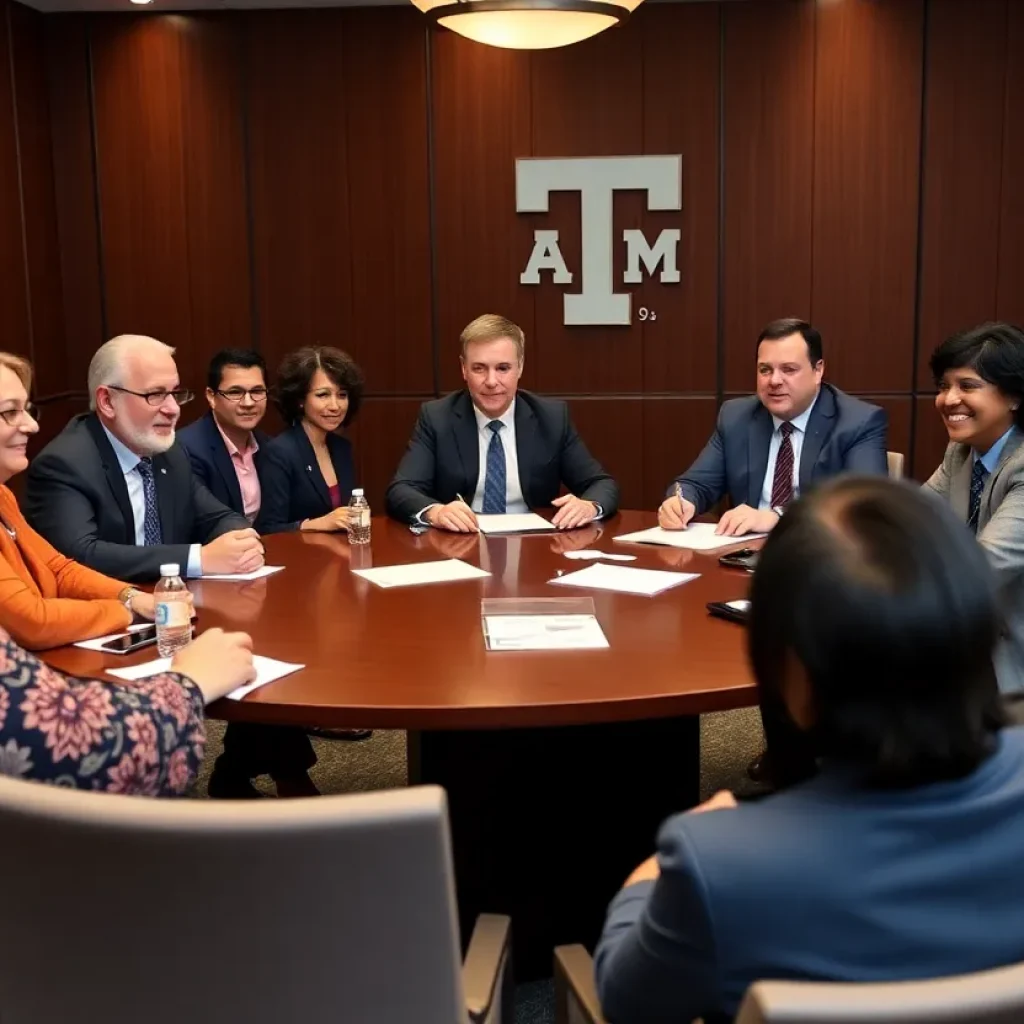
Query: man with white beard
114	492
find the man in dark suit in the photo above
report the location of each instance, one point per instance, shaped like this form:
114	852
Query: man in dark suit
492	448
767	448
112	490
225	446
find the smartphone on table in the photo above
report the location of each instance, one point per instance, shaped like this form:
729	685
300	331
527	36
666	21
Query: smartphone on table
745	558
131	641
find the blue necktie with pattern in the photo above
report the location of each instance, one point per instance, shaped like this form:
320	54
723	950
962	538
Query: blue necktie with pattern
151	525
494	481
978	477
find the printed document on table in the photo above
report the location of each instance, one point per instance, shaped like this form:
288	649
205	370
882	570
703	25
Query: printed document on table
267	670
696	537
543	632
256	574
444	571
97	642
513	523
624	579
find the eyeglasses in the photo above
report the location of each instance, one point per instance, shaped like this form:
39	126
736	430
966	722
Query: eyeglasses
10	416
237	394
181	396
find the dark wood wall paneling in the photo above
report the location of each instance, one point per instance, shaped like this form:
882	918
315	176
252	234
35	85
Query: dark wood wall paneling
273	178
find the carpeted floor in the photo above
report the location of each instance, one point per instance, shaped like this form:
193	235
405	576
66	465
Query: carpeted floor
728	743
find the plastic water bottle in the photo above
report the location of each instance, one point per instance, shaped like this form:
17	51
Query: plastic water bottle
173	614
358	518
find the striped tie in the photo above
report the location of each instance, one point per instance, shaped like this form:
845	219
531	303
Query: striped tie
782	485
978	477
151	525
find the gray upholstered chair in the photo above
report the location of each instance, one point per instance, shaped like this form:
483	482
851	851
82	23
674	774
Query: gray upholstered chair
123	909
988	997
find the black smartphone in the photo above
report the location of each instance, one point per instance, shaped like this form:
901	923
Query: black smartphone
745	558
131	641
734	611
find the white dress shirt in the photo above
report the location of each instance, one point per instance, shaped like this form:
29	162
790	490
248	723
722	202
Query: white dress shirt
514	501
129	463
796	439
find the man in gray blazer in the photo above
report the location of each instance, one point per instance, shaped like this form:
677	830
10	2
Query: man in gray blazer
980	378
767	448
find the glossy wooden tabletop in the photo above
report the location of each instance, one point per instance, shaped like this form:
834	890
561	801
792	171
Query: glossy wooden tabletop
414	657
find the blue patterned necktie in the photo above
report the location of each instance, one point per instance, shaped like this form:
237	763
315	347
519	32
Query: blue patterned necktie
494	481
151	526
977	486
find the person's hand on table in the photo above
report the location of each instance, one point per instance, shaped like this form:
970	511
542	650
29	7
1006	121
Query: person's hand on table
573	512
335	521
675	513
217	662
144	605
577	540
744	519
456	516
233	552
649	871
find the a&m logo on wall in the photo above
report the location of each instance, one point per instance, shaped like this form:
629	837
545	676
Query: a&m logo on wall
597	179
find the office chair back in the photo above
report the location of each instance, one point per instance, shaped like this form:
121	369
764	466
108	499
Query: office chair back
123	909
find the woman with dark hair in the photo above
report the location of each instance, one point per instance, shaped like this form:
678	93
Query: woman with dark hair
307	474
980	379
893	851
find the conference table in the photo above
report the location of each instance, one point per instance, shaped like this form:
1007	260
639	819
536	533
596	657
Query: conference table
559	765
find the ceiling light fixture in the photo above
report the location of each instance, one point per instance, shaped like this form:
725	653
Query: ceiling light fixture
527	24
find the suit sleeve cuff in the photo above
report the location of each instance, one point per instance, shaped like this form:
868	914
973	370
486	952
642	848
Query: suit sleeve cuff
420	519
600	511
195	561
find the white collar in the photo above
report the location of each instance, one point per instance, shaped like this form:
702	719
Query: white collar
799	422
508	418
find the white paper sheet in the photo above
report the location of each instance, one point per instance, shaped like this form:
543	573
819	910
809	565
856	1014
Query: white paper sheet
600	554
256	574
696	537
267	670
624	579
446	570
543	632
513	523
96	644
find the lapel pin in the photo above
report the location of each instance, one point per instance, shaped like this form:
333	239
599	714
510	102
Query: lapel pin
309	469
164	471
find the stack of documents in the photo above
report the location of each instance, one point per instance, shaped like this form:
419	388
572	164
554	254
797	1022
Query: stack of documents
527	522
696	537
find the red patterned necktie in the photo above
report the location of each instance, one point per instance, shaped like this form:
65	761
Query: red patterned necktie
782	485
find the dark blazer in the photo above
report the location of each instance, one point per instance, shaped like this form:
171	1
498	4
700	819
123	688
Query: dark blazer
825	881
212	464
443	457
293	486
844	435
77	499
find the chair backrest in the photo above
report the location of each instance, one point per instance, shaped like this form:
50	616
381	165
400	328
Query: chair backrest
894	460
123	909
987	997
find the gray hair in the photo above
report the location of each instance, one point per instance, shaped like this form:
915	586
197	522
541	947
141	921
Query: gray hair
107	364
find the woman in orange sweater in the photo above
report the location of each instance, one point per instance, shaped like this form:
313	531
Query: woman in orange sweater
46	600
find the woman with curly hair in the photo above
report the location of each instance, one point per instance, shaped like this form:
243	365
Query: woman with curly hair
307	473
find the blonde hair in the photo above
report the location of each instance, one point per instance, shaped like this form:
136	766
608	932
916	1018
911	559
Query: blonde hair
491	327
105	368
21	368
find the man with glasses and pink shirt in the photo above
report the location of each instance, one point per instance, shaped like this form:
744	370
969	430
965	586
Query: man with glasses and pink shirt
112	490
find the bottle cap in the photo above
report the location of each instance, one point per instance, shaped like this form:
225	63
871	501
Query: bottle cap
357	492
170	569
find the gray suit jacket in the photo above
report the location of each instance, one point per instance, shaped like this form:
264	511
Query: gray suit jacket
844	435
1000	533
